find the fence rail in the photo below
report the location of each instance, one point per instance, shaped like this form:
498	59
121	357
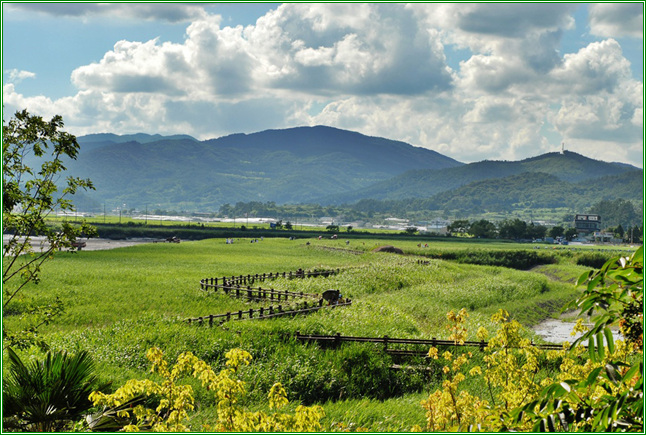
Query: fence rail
386	341
265	313
235	285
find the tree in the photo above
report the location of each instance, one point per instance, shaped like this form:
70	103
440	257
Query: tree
570	233
410	230
458	226
619	231
29	196
483	228
535	231
288	225
512	229
619	211
556	231
332	228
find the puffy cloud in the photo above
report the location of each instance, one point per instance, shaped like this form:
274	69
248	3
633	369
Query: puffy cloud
380	69
616	20
600	66
350	49
170	12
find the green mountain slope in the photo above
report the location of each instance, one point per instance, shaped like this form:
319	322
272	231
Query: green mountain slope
529	190
294	165
571	167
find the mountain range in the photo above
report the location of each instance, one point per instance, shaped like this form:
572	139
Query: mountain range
329	166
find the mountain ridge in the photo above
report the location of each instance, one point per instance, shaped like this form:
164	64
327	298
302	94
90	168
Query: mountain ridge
569	166
318	164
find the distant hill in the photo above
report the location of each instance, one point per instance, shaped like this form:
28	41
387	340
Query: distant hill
570	167
528	190
293	165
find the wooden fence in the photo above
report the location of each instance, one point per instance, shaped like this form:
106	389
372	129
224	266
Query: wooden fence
266	313
386	341
234	286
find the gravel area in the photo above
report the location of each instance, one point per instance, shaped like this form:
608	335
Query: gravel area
95	244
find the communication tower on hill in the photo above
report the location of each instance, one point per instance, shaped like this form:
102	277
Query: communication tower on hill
562	148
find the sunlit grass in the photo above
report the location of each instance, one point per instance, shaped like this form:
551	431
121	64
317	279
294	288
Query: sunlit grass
121	302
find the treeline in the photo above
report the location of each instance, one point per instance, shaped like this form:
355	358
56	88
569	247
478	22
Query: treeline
517	229
614	213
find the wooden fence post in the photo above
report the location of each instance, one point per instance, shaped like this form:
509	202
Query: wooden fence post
210	320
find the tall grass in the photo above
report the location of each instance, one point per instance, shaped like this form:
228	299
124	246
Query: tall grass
121	302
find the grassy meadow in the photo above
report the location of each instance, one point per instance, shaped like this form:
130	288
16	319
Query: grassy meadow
121	302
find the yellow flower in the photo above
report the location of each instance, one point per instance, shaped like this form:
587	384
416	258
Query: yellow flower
475	371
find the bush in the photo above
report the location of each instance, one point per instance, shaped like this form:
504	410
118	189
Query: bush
47	395
517	259
596	260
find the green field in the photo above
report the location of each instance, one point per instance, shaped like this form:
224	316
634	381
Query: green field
121	302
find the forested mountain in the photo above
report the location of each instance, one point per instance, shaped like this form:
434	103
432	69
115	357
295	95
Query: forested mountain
424	183
529	190
294	165
329	166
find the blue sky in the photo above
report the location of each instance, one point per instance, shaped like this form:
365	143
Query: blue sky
471	81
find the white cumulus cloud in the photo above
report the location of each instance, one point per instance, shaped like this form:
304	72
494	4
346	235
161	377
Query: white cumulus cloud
381	69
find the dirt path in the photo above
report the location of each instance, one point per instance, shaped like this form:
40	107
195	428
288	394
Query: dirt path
91	244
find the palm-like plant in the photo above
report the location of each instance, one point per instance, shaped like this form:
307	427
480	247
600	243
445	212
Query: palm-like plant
46	395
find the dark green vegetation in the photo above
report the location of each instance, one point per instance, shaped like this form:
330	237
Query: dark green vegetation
120	303
47	395
293	165
326	168
571	168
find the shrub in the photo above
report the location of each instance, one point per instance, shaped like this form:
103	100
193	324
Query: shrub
176	400
596	260
47	395
596	389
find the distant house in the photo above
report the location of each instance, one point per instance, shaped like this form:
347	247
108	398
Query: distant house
587	224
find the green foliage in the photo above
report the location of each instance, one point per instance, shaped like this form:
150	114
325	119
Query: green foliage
176	399
288	166
595	260
29	195
47	395
614	295
392	295
556	231
483	228
514	259
617	212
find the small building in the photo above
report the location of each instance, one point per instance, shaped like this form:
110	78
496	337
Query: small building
587	224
